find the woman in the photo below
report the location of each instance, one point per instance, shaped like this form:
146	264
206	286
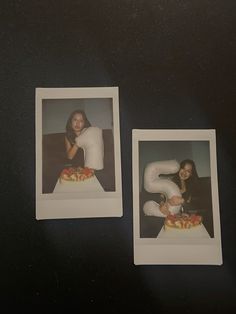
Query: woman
76	125
187	181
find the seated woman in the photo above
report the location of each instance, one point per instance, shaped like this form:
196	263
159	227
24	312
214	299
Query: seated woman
76	124
155	206
187	181
84	143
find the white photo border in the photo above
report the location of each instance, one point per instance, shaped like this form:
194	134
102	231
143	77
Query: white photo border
78	205
176	251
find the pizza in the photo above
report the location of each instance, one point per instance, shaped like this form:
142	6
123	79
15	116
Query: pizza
78	174
182	221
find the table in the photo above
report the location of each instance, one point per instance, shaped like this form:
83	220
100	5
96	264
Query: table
195	232
88	185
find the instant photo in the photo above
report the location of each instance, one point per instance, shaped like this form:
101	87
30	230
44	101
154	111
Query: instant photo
175	192
78	171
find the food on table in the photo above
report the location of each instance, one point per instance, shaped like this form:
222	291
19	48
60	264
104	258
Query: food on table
182	221
78	174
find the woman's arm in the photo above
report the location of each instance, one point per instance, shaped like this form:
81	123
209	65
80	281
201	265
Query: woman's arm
173	201
71	150
176	200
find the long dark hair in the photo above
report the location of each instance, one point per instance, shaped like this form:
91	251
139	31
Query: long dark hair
70	134
191	182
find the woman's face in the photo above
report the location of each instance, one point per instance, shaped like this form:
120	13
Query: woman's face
186	172
77	122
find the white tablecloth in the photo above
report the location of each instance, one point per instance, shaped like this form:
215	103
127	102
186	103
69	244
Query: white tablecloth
195	232
88	185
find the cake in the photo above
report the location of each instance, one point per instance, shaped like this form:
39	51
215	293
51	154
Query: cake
78	174
182	221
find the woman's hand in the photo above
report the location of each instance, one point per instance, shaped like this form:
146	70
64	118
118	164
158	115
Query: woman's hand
164	208
176	200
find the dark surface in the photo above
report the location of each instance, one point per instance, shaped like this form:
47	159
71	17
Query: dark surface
54	161
174	63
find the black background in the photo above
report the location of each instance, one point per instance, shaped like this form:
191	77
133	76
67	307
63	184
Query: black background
174	63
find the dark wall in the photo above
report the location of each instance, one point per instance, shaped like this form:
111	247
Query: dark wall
174	63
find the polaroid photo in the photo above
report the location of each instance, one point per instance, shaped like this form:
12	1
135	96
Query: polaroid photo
78	159
175	197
